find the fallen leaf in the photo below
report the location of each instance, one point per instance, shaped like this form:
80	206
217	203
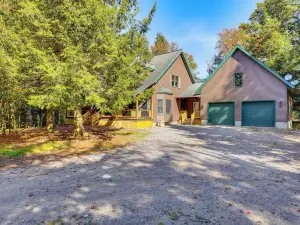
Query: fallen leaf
298	210
229	204
248	212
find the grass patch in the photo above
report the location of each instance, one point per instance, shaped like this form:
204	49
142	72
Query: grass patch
11	150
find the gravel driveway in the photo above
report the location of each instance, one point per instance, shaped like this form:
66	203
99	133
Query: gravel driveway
178	175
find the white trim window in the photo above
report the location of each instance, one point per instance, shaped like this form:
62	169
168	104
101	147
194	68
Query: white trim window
175	81
168	106
160	106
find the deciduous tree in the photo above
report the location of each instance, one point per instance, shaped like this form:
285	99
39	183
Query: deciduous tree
272	35
162	46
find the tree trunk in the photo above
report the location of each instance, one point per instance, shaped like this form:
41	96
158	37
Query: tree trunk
28	117
3	112
78	122
49	120
13	124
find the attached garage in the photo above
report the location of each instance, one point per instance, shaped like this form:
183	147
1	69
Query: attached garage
221	113
258	113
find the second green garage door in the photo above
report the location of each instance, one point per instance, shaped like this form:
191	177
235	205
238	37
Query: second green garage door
260	113
221	113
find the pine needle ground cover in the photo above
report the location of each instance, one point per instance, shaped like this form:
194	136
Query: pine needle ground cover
29	145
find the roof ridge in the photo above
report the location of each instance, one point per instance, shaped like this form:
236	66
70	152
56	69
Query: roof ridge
251	57
169	52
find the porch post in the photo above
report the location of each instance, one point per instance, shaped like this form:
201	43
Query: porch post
137	107
152	107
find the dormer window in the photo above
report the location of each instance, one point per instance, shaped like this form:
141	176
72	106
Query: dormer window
238	80
175	81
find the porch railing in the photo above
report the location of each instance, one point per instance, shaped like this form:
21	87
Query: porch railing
197	114
95	118
183	116
86	116
132	113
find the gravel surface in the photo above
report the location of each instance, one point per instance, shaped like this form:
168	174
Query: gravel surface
178	175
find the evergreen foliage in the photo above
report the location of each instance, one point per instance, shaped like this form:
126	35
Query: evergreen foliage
73	54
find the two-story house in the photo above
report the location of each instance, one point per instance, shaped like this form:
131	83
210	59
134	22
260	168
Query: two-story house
242	91
174	99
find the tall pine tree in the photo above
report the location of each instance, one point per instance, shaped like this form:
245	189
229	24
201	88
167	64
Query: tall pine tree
80	53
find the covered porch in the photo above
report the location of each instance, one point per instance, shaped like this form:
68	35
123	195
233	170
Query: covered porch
189	110
189	105
137	115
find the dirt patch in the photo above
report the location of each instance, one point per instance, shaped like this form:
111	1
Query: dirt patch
36	145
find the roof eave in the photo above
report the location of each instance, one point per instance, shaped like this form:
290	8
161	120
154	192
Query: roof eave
266	67
171	63
289	85
198	91
188	68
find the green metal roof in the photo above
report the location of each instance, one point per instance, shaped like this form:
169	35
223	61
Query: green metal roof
190	91
162	63
238	47
164	90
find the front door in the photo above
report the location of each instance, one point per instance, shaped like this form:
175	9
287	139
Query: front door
195	106
183	104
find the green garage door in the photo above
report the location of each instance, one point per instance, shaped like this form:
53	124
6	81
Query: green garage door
260	114
221	113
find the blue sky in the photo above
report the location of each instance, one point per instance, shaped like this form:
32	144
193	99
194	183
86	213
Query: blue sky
194	24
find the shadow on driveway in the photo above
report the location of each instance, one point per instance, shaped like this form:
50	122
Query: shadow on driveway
179	175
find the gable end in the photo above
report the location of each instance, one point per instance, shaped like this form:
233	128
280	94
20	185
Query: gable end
187	66
288	85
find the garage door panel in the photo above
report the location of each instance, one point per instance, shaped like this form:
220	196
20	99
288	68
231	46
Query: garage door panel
257	113
221	114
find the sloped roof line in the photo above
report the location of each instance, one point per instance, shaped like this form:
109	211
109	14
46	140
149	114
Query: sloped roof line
164	90
289	85
190	91
171	63
169	52
163	63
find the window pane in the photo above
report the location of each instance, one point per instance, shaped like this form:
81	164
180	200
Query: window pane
174	81
160	106
168	106
238	79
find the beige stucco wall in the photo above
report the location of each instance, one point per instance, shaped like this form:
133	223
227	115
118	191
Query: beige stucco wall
179	69
290	109
258	84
